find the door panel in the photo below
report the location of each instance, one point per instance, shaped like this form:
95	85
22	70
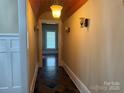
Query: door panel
15	44
16	73
10	70
4	45
5	70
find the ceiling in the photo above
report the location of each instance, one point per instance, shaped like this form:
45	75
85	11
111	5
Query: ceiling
69	6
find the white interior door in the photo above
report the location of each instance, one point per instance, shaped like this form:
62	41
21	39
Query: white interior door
10	68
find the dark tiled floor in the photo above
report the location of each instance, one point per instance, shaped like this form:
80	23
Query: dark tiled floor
53	79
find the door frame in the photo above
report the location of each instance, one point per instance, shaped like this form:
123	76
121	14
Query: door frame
45	37
22	27
59	23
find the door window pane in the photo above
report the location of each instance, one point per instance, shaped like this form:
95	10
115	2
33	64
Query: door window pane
51	40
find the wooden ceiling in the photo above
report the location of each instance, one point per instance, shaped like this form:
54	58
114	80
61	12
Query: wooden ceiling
69	6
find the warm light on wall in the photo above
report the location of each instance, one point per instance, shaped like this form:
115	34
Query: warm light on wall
56	10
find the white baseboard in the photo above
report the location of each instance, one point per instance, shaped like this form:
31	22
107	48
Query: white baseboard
34	80
82	88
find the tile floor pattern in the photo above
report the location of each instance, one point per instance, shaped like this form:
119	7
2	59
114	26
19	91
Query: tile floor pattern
53	79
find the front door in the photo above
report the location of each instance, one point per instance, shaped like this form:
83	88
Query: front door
50	39
10	70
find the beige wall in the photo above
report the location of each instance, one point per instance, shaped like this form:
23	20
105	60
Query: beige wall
32	41
8	16
40	43
48	18
96	55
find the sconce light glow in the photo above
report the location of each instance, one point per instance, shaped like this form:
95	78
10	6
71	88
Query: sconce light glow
56	10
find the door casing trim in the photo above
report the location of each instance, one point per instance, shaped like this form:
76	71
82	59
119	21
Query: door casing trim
22	27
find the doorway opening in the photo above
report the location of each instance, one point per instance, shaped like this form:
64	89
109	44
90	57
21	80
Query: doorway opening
50	45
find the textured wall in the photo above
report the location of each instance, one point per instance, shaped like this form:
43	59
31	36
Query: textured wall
96	55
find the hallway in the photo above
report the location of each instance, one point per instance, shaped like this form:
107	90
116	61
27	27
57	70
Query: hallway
52	78
85	36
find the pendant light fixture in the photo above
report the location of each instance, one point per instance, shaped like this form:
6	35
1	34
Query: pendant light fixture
56	9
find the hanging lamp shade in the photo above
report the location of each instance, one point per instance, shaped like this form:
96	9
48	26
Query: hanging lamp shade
56	10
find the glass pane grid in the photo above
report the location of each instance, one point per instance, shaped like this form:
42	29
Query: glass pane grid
51	44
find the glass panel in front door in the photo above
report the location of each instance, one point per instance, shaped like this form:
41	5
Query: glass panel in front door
51	40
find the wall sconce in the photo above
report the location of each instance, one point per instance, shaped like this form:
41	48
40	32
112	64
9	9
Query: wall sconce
84	22
67	29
